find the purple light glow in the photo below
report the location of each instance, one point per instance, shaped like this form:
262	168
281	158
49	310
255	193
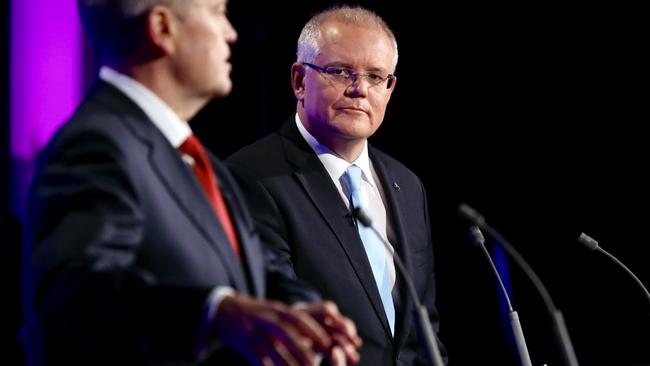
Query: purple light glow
46	71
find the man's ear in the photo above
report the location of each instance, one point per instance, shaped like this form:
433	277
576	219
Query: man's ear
298	80
162	28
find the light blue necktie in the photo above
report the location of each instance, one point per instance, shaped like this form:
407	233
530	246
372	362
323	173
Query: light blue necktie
373	245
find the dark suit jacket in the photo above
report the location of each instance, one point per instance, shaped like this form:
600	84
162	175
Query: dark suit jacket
300	212
123	247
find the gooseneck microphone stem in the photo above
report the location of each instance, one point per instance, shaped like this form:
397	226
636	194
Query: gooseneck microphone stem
496	273
546	297
592	244
647	294
429	338
515	324
559	325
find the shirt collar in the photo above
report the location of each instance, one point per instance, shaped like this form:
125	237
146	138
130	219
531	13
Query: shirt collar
334	164
172	127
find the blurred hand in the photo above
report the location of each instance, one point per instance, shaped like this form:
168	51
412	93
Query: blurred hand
271	333
346	342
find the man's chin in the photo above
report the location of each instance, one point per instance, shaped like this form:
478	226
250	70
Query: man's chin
222	91
357	120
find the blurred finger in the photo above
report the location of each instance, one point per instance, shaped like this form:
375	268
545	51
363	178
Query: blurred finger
348	350
285	354
288	343
308	327
274	353
337	357
337	323
351	332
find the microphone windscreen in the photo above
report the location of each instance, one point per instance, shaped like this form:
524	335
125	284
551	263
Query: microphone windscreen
361	215
470	214
588	241
476	235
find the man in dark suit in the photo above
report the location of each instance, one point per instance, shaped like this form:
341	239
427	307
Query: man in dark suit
140	250
299	183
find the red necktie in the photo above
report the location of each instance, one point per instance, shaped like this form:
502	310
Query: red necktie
208	179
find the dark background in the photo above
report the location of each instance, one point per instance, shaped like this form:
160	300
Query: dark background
531	113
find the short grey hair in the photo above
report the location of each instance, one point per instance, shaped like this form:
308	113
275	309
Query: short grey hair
308	46
115	27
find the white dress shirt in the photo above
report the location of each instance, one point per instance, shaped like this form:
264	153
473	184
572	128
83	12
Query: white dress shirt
173	127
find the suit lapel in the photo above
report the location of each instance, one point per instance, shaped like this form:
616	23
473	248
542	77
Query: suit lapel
251	251
319	187
183	185
176	177
397	215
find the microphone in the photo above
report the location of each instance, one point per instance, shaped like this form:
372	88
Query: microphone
477	238
559	326
592	244
426	331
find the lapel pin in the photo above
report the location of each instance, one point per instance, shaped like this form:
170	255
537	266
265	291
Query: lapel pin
396	186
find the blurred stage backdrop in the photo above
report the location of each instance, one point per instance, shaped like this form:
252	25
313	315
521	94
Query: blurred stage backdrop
533	114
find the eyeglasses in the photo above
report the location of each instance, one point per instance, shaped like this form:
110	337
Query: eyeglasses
345	77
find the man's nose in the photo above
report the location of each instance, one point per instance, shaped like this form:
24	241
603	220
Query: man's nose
359	85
